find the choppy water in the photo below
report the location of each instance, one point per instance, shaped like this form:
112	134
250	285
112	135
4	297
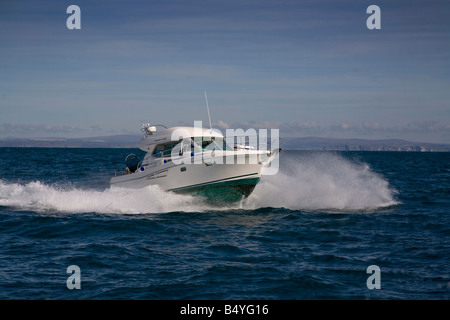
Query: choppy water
309	232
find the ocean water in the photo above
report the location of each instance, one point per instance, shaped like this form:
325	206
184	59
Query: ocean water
309	232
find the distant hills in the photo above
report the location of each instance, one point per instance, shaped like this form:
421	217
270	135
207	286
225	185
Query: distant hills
305	143
118	141
316	143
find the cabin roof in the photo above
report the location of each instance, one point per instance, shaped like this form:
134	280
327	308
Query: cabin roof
175	134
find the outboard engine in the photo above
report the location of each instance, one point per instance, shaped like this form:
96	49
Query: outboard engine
132	162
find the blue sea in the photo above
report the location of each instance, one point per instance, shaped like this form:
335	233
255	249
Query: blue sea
309	232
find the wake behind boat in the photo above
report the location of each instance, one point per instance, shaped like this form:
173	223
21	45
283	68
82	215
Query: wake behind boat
197	161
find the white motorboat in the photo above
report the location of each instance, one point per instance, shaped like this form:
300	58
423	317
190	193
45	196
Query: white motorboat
197	161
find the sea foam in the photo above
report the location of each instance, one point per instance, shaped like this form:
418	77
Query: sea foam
324	181
321	181
40	197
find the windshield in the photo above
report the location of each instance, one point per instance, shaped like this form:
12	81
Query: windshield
207	143
212	143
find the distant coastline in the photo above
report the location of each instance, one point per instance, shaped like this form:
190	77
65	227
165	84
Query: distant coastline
117	141
316	143
290	143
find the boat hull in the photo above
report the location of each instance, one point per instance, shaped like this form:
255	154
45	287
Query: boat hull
225	191
216	182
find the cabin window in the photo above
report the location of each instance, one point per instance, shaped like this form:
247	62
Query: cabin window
164	150
212	143
193	145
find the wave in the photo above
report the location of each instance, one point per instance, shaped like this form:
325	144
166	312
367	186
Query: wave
324	181
40	197
312	182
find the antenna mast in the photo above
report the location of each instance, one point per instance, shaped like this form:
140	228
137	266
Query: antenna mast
209	116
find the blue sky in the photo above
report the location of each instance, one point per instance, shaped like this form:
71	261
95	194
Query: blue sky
308	68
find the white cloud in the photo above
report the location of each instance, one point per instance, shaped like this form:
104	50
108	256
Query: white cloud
221	124
40	130
302	125
426	131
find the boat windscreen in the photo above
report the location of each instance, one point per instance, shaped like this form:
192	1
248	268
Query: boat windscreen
213	144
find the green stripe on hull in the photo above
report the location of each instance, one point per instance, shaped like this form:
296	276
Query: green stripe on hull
226	191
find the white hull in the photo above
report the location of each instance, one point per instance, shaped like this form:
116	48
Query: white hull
175	177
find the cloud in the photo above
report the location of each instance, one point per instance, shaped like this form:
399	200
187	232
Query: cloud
425	126
95	128
431	131
266	62
302	125
202	71
31	130
423	131
222	125
426	130
259	125
371	125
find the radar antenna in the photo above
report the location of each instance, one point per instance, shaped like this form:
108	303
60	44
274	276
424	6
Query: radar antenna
209	116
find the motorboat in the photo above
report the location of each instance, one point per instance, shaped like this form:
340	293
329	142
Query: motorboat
197	161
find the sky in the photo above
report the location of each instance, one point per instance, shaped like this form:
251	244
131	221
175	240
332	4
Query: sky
305	67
